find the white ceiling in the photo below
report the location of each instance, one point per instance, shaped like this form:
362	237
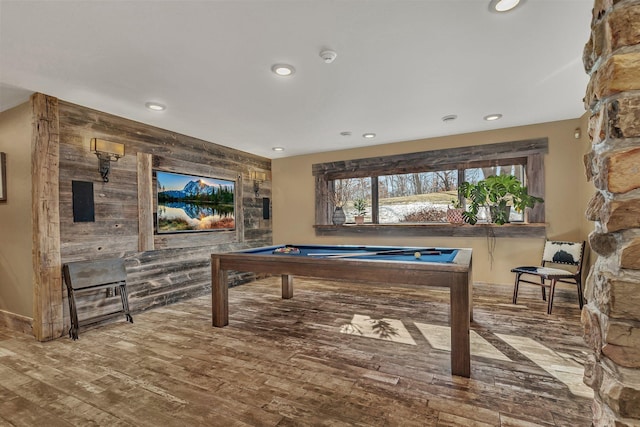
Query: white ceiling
402	65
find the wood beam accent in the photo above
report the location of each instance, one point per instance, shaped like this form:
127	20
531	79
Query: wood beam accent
324	207
536	184
426	161
145	202
47	271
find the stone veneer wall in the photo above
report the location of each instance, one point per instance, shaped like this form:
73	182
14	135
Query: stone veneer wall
611	319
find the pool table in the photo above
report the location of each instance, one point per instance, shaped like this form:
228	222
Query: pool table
387	265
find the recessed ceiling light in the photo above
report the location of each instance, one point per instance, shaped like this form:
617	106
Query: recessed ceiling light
283	69
345	133
369	135
278	148
449	118
492	117
503	5
155	106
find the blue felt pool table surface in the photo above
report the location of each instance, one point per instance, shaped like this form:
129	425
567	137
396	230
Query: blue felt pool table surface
376	253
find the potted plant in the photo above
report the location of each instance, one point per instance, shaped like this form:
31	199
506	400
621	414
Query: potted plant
497	194
360	208
455	211
339	195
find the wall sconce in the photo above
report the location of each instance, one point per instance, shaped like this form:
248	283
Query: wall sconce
258	177
107	152
577	133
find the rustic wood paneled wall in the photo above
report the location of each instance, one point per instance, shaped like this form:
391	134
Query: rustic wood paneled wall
164	268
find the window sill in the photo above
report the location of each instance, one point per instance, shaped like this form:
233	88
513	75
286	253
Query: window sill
537	230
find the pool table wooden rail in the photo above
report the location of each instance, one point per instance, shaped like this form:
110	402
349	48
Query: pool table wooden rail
457	276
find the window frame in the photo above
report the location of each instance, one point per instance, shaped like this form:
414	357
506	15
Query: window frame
529	152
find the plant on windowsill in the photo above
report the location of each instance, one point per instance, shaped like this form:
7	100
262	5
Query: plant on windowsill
339	196
360	208
455	211
497	194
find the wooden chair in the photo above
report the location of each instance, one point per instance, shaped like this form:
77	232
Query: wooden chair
85	276
555	252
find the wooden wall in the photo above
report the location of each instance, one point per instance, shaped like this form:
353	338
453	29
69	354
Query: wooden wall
163	268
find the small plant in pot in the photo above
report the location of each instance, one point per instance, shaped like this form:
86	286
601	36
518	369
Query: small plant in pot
455	211
497	194
360	208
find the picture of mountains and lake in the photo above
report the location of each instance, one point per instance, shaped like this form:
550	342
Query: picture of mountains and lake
194	203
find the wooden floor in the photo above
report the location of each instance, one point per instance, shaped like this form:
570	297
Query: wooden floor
304	361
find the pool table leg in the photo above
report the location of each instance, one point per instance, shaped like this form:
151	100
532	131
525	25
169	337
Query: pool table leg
470	280
287	286
219	295
460	316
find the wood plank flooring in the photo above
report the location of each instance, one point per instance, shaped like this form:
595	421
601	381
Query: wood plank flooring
286	363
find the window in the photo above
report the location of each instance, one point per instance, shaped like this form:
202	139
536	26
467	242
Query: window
417	188
349	191
416	197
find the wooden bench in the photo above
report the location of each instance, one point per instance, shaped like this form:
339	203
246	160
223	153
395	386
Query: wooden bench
86	276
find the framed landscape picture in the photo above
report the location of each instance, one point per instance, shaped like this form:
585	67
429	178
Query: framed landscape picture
189	203
3	177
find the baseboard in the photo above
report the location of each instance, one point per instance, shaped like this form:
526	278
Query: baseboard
504	285
16	322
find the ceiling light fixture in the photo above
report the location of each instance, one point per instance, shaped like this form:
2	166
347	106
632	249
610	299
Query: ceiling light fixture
449	118
283	70
503	5
492	117
155	106
369	135
278	148
345	133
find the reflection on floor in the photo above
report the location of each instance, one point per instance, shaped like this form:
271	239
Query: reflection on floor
439	337
378	328
561	366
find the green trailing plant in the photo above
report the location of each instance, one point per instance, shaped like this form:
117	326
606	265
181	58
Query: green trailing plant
496	193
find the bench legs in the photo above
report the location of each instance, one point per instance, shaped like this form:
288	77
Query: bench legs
125	303
73	312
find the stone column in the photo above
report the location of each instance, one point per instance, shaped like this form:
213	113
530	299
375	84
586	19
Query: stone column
611	319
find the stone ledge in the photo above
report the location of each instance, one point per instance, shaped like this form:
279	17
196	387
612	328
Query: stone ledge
440	230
